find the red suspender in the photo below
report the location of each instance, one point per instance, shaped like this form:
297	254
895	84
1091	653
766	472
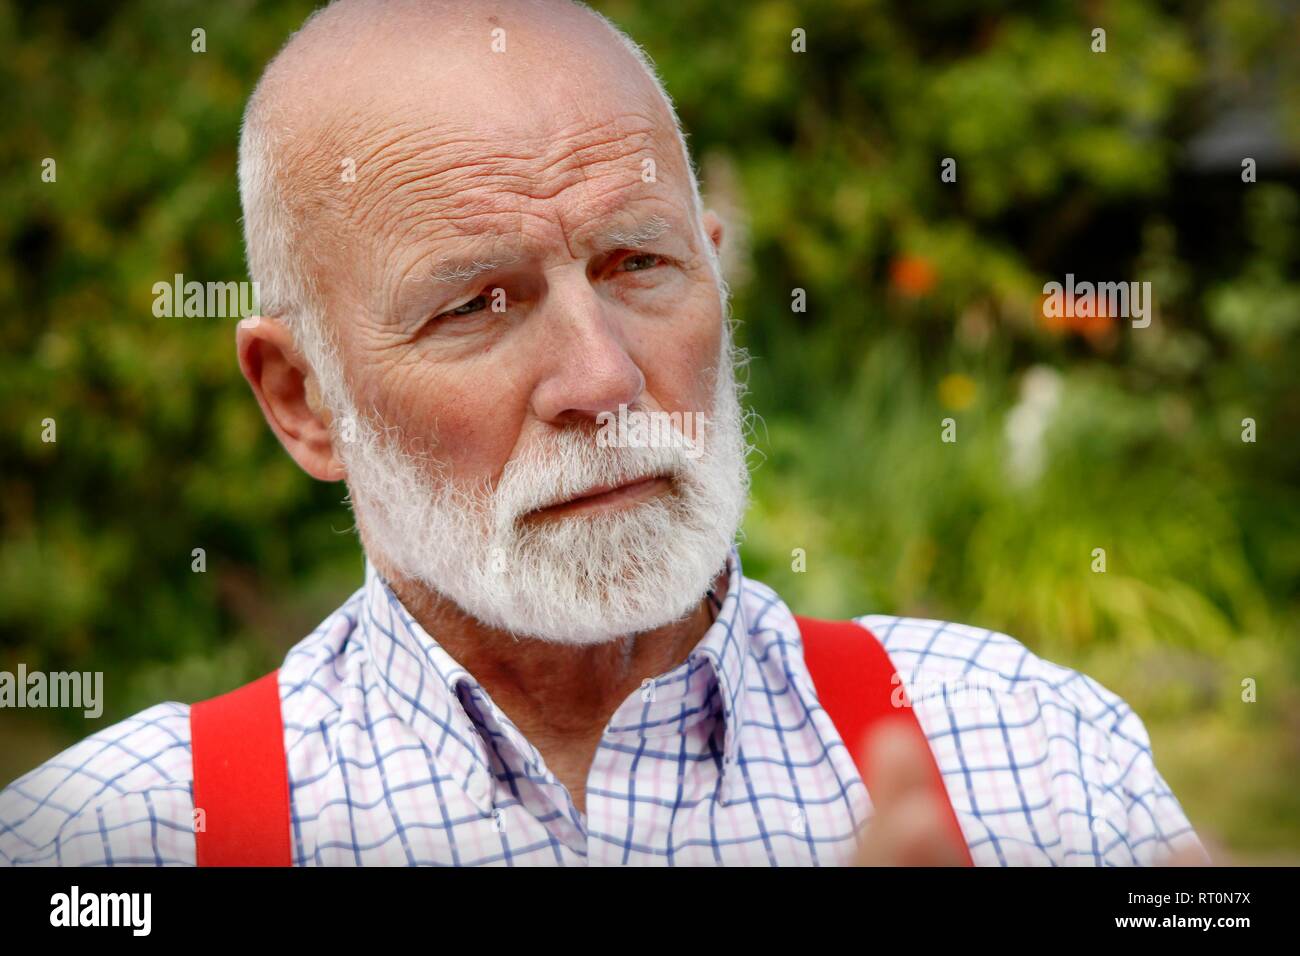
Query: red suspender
855	683
241	781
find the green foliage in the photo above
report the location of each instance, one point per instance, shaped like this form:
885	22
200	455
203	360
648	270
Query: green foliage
923	304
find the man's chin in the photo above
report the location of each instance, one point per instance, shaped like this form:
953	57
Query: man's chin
574	633
562	605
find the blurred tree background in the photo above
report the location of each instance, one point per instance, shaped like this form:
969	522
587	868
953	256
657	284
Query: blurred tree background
923	303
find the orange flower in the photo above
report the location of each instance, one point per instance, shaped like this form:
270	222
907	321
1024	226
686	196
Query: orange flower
913	276
1093	327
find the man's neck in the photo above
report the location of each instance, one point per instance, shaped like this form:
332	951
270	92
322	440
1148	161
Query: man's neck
560	696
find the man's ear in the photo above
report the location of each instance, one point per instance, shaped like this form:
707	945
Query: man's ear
286	389
713	228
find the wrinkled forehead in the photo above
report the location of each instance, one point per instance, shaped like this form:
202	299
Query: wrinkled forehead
494	131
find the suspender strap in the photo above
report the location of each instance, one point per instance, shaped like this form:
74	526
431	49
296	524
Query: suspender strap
856	684
241	781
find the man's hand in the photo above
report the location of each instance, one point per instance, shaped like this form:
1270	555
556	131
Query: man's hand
909	826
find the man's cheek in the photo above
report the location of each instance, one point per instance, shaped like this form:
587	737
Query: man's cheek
475	448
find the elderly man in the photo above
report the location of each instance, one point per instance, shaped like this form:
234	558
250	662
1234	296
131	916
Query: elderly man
480	245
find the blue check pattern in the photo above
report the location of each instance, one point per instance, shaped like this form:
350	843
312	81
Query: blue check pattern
397	756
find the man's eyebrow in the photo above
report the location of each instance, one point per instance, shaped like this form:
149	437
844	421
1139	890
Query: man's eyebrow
643	232
455	271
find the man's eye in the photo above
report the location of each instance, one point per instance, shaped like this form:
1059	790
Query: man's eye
640	262
477	304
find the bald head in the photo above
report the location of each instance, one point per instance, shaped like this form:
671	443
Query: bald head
369	95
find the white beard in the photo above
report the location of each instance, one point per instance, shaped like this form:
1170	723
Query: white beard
572	579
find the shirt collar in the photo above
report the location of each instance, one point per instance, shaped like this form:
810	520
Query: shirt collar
457	720
725	647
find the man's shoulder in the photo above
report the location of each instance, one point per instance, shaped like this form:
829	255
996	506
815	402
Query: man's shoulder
135	771
124	794
936	656
1043	763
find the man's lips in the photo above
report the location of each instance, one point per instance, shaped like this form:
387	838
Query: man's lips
607	497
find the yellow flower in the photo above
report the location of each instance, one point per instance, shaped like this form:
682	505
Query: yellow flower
957	391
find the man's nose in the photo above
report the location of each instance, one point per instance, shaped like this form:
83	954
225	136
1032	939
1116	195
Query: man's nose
587	365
